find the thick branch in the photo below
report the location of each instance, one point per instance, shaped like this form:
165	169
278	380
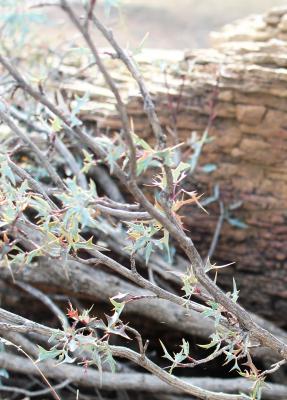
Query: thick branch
135	381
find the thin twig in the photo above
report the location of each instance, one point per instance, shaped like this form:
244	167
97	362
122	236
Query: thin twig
105	181
52	390
72	132
122	214
34	393
217	231
132	67
118	206
45	300
59	145
111	84
205	360
273	368
40	155
35	185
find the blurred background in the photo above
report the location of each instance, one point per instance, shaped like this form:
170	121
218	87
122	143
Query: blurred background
185	23
177	24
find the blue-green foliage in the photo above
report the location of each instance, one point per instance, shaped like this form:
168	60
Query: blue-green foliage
110	4
16	19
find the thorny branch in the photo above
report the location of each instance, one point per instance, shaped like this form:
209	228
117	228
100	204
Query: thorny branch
244	319
237	318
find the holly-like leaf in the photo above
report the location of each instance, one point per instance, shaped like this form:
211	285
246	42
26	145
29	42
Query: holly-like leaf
6	171
48	354
166	353
66	359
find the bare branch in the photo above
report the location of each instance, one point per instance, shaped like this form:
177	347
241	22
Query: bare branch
35	185
122	214
217	231
45	300
137	381
59	145
16	322
108	185
120	104
20	341
132	67
98	285
41	98
35	393
140	381
40	155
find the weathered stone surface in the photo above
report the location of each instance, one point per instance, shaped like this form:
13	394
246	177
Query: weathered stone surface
282	25
260	28
249	114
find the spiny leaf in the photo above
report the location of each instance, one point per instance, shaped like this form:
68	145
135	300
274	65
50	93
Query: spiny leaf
166	353
48	354
7	172
56	124
235	293
66	359
179	169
